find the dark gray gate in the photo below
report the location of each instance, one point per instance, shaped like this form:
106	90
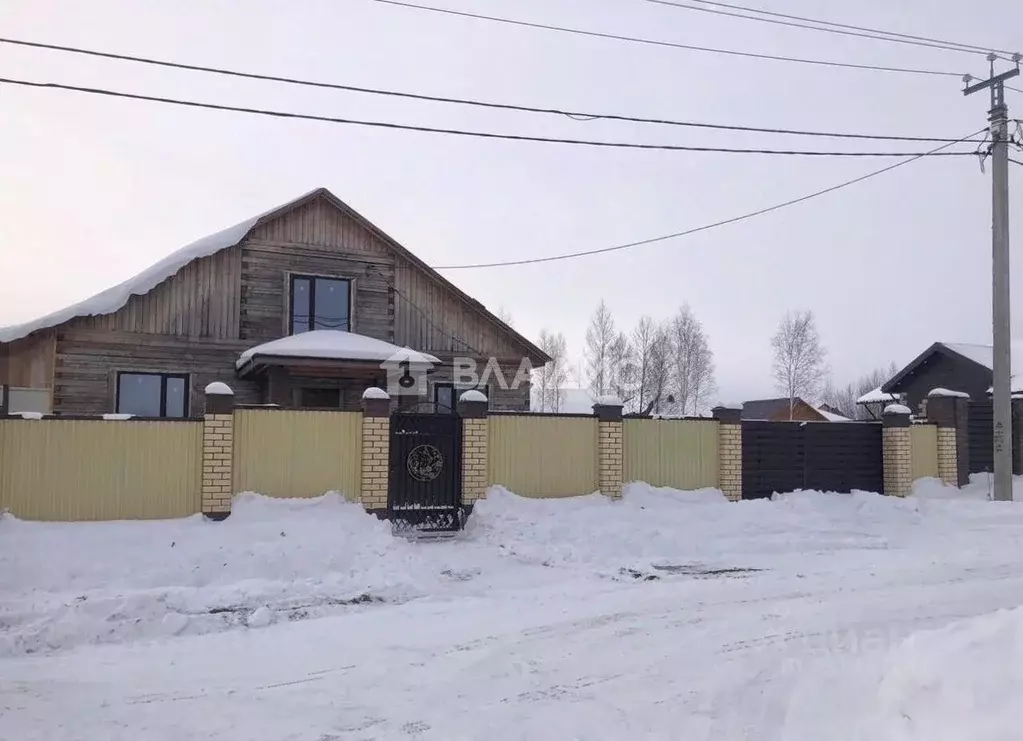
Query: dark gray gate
980	424
825	456
424	489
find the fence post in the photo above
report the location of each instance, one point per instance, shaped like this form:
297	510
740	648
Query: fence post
950	410
376	449
729	451
1017	437
897	450
5	400
472	408
608	411
217	451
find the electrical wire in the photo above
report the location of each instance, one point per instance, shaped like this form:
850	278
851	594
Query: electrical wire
760	11
577	115
669	44
793	24
705	227
461	132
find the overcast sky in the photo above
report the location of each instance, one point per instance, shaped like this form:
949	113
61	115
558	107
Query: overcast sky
94	189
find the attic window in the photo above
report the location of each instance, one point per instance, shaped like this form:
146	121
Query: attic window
320	303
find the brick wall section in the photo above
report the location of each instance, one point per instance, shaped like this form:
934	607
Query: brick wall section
376	443
217	457
730	460
948	462
610	459
898	461
474	459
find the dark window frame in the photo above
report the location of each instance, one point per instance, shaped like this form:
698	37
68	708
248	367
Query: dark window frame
310	321
184	377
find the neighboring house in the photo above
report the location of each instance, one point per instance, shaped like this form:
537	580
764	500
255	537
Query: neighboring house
777	410
958	367
344	295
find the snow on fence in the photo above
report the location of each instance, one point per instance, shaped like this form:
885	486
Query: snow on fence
682	454
543	455
95	469
286	453
924	442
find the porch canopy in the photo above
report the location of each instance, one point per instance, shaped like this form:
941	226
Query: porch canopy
331	352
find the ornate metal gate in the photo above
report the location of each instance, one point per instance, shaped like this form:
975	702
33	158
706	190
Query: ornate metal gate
425	483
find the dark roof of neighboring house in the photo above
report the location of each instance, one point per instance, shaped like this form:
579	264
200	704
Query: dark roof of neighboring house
770	408
956	352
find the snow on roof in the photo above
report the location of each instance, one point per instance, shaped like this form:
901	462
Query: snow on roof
875	397
984	354
831	416
337	345
940	392
114	298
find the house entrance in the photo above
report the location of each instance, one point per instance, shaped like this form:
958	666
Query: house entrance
424	489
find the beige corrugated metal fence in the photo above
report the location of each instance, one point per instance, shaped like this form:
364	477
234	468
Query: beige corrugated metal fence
543	455
297	453
924	443
57	469
682	454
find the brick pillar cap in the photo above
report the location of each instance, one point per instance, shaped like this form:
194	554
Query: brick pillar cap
219	388
896	409
940	393
375	393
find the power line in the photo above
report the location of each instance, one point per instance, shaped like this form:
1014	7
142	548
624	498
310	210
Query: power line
669	44
706	227
760	11
462	132
458	101
912	41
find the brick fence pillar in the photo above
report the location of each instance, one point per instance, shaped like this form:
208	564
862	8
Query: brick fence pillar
608	411
376	449
217	451
729	451
472	408
950	410
897	453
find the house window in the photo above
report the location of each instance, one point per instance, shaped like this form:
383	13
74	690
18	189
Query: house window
445	396
320	303
152	394
321	398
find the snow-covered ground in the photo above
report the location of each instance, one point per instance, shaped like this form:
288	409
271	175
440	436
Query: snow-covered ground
666	615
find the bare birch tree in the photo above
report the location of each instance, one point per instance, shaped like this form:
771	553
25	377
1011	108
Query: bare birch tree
651	355
692	363
551	378
844	398
600	338
622	369
799	367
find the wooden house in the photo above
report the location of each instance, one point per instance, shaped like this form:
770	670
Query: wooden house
150	345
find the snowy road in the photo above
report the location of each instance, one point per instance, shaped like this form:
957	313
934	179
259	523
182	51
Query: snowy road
566	647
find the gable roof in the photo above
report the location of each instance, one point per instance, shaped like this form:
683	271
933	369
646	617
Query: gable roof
768	408
115	298
979	355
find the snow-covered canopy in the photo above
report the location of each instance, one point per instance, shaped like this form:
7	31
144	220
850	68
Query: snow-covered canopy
940	392
115	298
333	344
876	397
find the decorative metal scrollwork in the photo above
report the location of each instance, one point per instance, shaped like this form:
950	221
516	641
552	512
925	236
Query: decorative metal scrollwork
424	462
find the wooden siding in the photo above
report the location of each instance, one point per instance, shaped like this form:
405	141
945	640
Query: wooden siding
682	454
924	441
319	223
88	362
29	361
543	455
297	453
428	316
99	470
200	300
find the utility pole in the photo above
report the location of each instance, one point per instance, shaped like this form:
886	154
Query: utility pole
1001	309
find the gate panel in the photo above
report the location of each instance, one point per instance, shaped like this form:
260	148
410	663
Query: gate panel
772	458
843	456
980	424
425	482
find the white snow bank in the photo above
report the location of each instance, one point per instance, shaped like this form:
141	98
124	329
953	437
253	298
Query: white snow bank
337	345
114	298
961	681
63	584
